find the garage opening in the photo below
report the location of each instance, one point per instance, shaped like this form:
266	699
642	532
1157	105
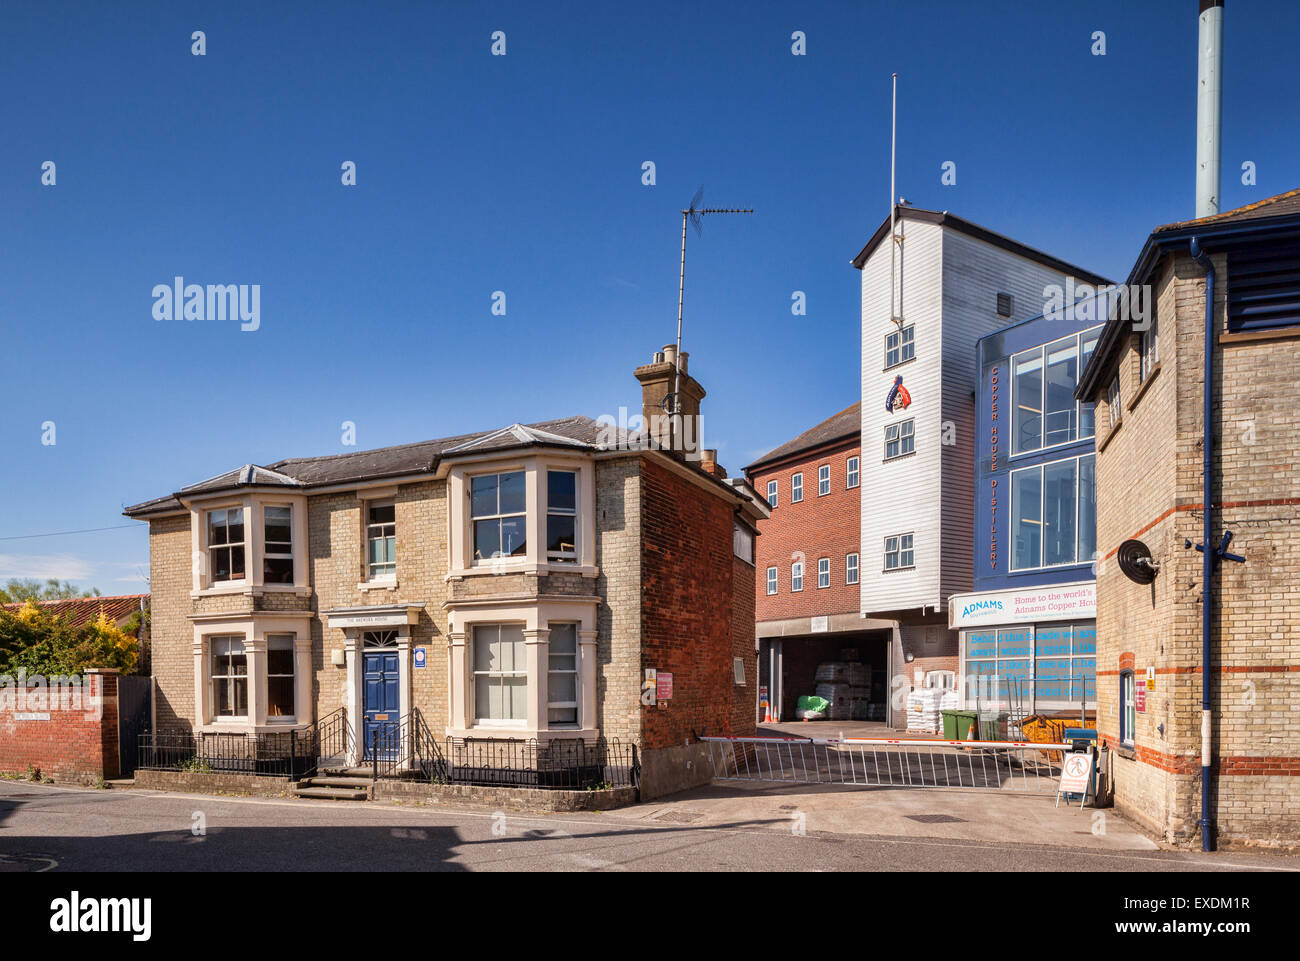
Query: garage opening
850	671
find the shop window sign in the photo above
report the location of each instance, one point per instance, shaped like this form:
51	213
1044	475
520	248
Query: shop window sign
1052	665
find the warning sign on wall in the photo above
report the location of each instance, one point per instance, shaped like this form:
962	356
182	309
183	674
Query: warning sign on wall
665	686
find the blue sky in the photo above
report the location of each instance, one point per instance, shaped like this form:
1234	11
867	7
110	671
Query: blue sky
522	173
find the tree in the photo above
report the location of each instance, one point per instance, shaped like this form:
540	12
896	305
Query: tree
35	640
18	590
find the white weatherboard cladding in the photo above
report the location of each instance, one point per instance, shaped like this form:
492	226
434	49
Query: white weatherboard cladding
902	496
950	282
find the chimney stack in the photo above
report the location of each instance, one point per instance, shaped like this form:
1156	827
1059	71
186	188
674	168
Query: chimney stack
1209	106
667	432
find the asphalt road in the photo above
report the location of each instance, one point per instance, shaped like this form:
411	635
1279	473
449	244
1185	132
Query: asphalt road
62	829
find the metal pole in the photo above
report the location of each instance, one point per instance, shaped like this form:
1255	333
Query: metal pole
1209	108
677	374
893	198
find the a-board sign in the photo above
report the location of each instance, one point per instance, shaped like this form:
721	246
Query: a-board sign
1076	773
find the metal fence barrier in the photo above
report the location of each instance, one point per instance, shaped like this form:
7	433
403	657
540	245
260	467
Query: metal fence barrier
884	762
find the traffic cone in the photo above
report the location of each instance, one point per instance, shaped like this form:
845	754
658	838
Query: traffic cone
970	733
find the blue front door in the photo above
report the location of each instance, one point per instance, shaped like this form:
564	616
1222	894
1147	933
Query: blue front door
382	706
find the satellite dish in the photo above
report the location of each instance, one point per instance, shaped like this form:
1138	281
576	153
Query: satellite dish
1136	562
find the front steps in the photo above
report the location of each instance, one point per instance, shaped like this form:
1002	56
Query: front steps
335	787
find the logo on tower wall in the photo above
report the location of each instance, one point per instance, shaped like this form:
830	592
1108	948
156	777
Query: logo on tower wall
899	398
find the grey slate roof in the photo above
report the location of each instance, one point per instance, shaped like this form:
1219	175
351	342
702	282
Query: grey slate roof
422	457
847	423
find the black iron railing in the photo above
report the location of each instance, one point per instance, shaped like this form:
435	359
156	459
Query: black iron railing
406	749
281	754
561	764
332	742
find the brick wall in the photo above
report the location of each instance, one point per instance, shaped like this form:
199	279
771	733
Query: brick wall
170	581
827	526
744	706
1149	487
686	571
73	742
618	616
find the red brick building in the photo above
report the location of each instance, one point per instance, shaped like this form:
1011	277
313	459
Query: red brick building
808	566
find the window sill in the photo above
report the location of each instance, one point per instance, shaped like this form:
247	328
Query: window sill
1143	387
1105	441
252	590
384	585
1125	751
902	363
895	570
523	733
1247	336
889	460
522	567
244	726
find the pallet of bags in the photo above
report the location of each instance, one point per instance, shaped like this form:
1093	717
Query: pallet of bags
860	675
923	710
841	701
832	672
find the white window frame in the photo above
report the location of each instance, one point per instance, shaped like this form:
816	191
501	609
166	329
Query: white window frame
1042	511
796	487
903	544
852	472
1149	349
772	493
291	639
772	585
851	568
372	536
1127	707
903	434
904	343
266	543
475	520
823	573
796	577
475	674
227	642
1113	400
244	545
576	672
823	480
564	557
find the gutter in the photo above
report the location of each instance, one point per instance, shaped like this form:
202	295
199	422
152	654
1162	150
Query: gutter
1207	563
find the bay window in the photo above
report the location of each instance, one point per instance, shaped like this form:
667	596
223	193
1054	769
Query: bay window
226	544
229	677
500	674
277	547
499	512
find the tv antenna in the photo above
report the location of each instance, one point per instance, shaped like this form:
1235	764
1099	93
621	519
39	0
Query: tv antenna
695	214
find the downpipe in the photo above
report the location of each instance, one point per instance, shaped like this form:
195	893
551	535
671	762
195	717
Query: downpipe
1207	553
